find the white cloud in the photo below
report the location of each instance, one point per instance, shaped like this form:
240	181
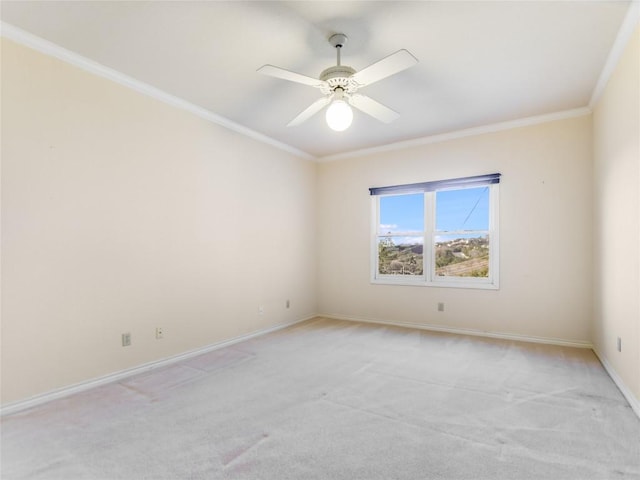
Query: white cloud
388	227
408	240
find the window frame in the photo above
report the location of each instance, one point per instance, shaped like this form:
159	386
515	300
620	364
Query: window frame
429	277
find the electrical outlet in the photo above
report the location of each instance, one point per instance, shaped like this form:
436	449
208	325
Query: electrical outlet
261	310
619	344
159	333
288	303
440	306
126	339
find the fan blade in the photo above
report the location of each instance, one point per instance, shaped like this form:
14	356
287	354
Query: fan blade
310	111
394	63
369	106
289	75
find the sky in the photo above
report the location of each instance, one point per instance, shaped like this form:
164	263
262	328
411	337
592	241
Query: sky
464	209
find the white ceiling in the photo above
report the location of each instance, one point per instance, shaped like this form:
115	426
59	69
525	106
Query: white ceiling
481	62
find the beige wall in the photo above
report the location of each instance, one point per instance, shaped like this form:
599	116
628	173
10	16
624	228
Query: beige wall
545	233
123	214
616	136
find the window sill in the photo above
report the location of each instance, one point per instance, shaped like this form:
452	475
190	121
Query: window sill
421	282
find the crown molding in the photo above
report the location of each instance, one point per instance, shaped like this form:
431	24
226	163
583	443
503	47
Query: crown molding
44	46
627	28
468	132
51	49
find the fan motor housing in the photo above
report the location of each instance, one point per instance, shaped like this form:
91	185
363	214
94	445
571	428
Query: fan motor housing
338	76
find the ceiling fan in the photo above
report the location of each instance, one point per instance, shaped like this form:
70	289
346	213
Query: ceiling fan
340	84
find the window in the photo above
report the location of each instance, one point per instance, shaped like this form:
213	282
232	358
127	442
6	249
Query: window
441	233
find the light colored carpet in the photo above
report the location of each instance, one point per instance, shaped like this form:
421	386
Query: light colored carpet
340	400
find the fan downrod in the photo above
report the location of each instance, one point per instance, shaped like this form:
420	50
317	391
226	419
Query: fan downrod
339	75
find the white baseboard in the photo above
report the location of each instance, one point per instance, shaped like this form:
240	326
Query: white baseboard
466	331
628	394
114	377
18	406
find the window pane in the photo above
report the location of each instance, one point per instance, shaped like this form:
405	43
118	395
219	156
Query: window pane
400	255
401	213
464	209
462	256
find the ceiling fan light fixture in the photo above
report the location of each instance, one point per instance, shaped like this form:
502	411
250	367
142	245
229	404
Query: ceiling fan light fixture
341	82
339	115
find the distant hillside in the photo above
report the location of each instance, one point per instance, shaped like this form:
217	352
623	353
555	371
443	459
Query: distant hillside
475	267
463	257
460	257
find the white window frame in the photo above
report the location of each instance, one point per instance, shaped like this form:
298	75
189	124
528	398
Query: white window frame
428	277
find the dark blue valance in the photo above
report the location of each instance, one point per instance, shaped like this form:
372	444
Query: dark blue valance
464	182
